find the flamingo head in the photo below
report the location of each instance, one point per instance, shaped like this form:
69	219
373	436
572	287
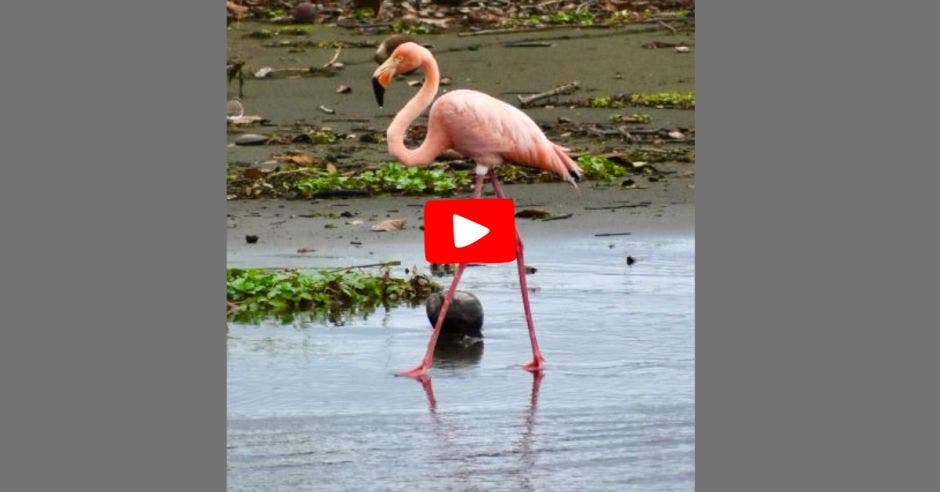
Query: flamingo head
406	58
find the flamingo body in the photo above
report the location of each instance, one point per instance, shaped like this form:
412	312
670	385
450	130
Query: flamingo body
491	132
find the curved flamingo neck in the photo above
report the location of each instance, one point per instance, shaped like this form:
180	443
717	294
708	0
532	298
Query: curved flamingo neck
430	148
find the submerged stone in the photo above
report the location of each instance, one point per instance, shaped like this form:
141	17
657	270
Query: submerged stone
464	317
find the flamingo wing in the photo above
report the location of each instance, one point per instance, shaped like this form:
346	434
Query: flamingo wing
491	132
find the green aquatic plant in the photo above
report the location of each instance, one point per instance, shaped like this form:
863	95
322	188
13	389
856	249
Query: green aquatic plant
393	176
363	14
390	177
630	118
600	168
680	100
260	34
296	30
256	293
583	18
322	136
290	30
402	26
605	102
276	12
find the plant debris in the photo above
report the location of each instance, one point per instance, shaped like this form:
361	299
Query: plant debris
533	213
259	293
662	100
497	16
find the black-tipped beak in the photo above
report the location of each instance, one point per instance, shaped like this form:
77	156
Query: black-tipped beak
379	91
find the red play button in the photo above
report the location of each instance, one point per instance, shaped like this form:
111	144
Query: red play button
479	230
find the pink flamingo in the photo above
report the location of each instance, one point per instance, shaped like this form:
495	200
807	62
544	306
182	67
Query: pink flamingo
482	128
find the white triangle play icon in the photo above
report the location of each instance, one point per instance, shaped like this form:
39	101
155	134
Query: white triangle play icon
467	232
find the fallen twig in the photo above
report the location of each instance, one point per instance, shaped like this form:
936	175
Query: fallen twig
562	89
605	234
528	44
335	57
327	110
667	26
558	217
615	207
369	265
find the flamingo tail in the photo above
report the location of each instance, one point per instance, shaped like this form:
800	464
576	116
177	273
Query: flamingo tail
565	166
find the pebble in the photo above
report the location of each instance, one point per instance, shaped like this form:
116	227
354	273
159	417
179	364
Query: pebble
250	139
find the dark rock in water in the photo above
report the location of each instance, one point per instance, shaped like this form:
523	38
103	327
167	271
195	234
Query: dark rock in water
305	12
630	260
464	317
251	239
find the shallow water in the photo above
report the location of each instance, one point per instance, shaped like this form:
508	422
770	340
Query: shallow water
317	406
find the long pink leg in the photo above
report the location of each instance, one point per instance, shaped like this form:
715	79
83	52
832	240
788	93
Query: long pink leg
421	370
538	361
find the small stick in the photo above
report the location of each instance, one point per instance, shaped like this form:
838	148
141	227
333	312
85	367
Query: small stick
605	234
641	204
562	89
528	44
384	264
327	110
667	26
335	57
558	217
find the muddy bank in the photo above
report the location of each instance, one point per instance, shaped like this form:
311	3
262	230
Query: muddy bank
605	62
336	232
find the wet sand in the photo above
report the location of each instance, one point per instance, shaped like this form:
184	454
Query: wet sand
604	62
282	229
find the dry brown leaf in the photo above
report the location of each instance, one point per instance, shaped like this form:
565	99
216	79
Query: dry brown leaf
304	160
253	173
390	225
